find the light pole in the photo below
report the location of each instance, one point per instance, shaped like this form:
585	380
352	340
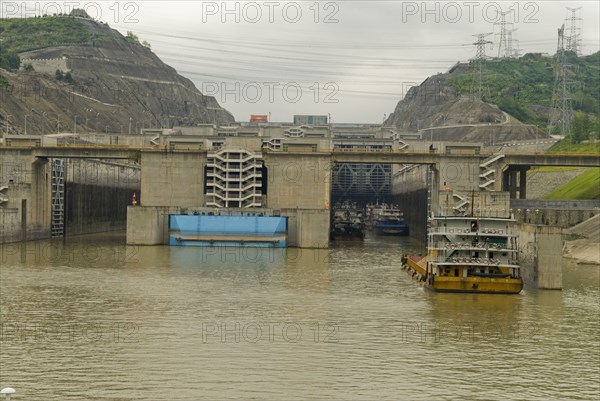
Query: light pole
75	124
26	115
130	118
58	123
97	114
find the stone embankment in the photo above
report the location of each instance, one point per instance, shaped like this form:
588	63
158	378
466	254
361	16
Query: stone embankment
542	183
585	248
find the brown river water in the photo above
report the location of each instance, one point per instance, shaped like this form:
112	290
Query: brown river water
93	319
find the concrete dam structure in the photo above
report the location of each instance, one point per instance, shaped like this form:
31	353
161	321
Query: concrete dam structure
291	177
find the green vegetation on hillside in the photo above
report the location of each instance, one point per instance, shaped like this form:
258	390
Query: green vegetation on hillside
584	186
584	127
523	87
566	146
9	60
23	34
131	37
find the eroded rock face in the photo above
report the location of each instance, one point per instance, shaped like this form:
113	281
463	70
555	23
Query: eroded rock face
115	81
435	109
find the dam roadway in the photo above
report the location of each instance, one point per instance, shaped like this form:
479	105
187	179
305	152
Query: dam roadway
337	156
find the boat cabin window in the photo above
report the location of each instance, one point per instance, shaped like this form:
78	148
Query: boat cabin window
455	272
474	226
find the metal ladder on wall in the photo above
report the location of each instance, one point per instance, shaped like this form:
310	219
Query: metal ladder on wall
57	226
429	199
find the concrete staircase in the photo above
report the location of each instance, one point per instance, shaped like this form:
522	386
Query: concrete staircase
487	176
234	179
462	205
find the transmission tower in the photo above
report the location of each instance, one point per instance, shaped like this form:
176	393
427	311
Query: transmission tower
512	51
480	56
504	44
560	113
574	39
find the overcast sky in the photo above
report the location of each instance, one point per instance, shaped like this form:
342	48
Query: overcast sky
271	56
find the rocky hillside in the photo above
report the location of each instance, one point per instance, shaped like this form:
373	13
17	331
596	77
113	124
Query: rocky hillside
516	99
79	73
440	112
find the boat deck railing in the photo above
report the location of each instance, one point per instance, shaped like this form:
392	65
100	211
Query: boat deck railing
469	246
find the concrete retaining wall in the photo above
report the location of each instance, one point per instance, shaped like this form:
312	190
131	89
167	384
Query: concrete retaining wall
556	213
47	66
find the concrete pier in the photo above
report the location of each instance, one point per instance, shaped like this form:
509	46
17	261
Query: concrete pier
540	253
147	225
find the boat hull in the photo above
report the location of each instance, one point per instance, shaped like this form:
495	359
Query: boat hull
348	235
391	230
483	285
478	285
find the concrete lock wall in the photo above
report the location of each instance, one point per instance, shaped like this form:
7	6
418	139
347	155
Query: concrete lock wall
172	179
149	225
300	185
25	207
298	181
97	195
540	255
409	188
459	175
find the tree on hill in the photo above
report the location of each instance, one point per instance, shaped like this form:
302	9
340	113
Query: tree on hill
9	60
581	127
131	37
